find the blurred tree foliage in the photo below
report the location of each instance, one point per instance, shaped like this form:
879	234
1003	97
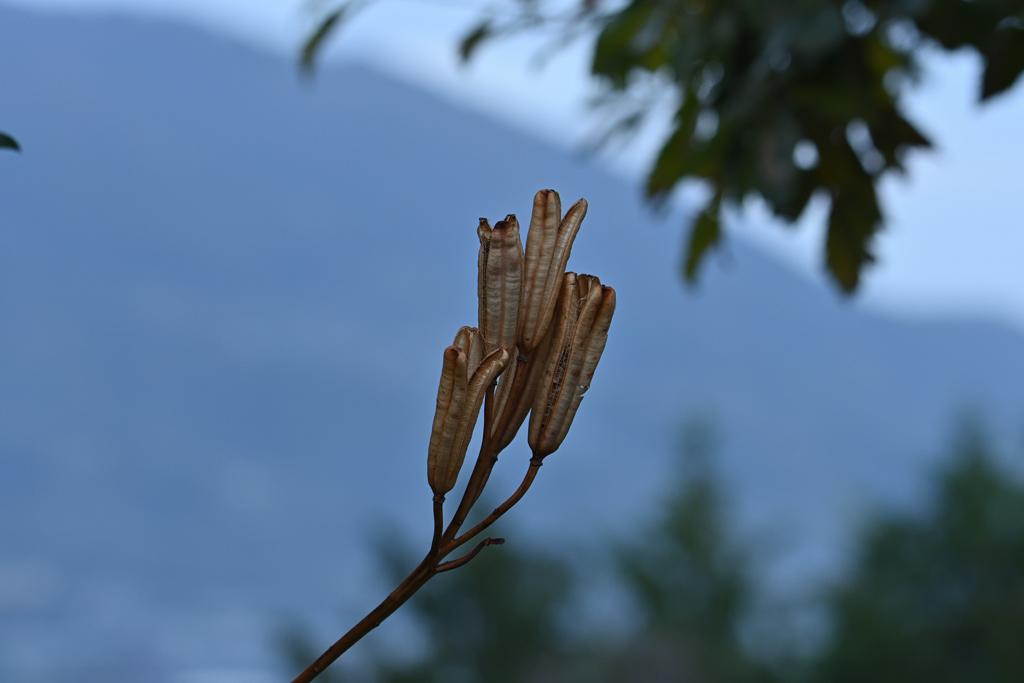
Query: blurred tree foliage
781	99
691	583
502	618
939	598
935	597
494	620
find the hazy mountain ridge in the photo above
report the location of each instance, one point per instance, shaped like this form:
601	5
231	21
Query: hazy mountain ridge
217	283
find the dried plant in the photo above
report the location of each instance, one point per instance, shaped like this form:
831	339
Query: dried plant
540	336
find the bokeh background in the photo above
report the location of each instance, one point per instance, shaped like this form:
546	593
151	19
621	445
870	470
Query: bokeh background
224	293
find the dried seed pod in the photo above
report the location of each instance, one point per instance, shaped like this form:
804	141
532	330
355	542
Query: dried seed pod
591	353
451	401
499	282
582	318
490	367
548	244
465	376
470	341
483	231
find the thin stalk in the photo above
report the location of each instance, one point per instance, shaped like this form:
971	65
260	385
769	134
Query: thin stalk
444	543
488	457
482	463
455	564
531	474
413	583
438	524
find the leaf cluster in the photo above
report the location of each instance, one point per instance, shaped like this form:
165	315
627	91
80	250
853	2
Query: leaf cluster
779	99
787	98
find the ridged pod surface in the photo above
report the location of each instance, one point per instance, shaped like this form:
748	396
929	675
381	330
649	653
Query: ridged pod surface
499	281
471	342
581	321
548	244
465	375
451	401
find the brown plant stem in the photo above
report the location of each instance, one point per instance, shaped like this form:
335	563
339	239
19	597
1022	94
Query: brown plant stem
438	524
475	479
427	569
413	583
488	456
455	564
490	440
531	474
444	543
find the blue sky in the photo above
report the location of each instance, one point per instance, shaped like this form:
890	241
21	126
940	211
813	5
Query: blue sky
954	242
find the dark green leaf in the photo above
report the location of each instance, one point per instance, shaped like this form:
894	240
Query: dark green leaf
473	40
893	135
615	55
704	235
6	141
315	42
853	221
1005	62
677	157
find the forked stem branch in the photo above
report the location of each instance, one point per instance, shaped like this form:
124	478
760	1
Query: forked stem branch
455	564
531	474
430	566
443	543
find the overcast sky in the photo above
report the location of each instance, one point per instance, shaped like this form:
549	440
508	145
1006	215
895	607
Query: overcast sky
954	242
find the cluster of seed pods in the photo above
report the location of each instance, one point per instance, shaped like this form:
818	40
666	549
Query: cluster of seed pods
539	337
540	334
